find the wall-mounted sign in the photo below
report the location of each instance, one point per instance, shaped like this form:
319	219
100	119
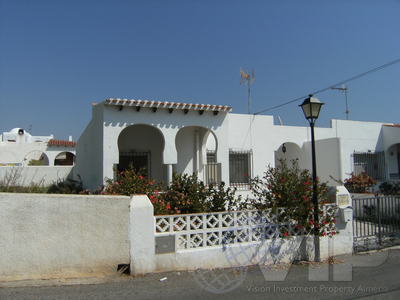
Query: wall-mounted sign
343	198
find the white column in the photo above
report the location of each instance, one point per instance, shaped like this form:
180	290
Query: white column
169	174
196	165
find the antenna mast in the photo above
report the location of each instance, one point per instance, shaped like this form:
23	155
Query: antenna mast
344	90
249	80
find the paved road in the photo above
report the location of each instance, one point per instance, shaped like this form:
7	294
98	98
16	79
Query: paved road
377	276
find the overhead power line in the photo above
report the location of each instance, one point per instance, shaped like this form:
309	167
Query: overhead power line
332	86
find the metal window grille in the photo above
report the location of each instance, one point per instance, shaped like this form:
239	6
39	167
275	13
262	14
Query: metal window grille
213	169
372	163
240	168
211	156
140	161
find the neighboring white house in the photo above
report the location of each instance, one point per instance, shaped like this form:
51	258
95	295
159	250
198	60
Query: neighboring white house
39	159
167	137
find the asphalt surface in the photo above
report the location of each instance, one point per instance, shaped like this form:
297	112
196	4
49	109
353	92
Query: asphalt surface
368	276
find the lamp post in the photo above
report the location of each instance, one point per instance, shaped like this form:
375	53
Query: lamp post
311	108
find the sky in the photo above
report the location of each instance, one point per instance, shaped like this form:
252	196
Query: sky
59	56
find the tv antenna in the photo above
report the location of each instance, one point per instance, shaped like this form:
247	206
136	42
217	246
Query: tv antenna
343	89
249	80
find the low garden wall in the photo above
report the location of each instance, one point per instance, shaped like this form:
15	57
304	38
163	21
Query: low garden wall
226	239
46	236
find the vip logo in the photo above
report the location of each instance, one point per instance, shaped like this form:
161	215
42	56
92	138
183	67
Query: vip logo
267	254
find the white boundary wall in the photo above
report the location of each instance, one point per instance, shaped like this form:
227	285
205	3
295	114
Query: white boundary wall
49	236
38	175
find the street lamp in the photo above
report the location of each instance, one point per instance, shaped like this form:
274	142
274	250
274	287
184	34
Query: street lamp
311	108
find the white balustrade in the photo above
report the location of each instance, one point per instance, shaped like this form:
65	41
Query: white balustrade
223	228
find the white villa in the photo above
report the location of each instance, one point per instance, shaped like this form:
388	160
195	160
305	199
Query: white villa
167	137
39	159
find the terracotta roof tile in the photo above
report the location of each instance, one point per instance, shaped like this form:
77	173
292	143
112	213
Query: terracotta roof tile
61	143
392	125
166	104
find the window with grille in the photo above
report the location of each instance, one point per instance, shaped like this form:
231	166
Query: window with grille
211	156
136	160
240	168
213	169
372	163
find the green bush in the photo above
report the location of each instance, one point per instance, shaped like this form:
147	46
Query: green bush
389	188
130	182
33	188
65	186
361	183
36	162
12	182
187	194
222	198
289	187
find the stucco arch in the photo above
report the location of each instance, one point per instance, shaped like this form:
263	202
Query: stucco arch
141	146
191	145
210	141
289	151
64	158
36	157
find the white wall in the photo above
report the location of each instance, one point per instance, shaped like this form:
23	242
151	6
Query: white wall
37	175
356	136
52	236
19	153
89	152
328	161
46	236
334	145
258	133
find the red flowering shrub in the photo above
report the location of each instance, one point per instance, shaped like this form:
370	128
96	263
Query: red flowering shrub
130	182
186	194
290	188
359	183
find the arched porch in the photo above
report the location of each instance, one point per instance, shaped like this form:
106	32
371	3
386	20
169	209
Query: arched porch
36	158
289	151
196	148
141	148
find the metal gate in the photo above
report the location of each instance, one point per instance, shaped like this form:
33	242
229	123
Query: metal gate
376	222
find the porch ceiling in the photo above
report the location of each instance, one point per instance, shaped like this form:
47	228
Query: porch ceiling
167	105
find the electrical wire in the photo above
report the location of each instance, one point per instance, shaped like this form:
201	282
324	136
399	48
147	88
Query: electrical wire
331	86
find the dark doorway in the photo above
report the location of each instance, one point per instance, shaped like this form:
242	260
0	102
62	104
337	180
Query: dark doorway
136	160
